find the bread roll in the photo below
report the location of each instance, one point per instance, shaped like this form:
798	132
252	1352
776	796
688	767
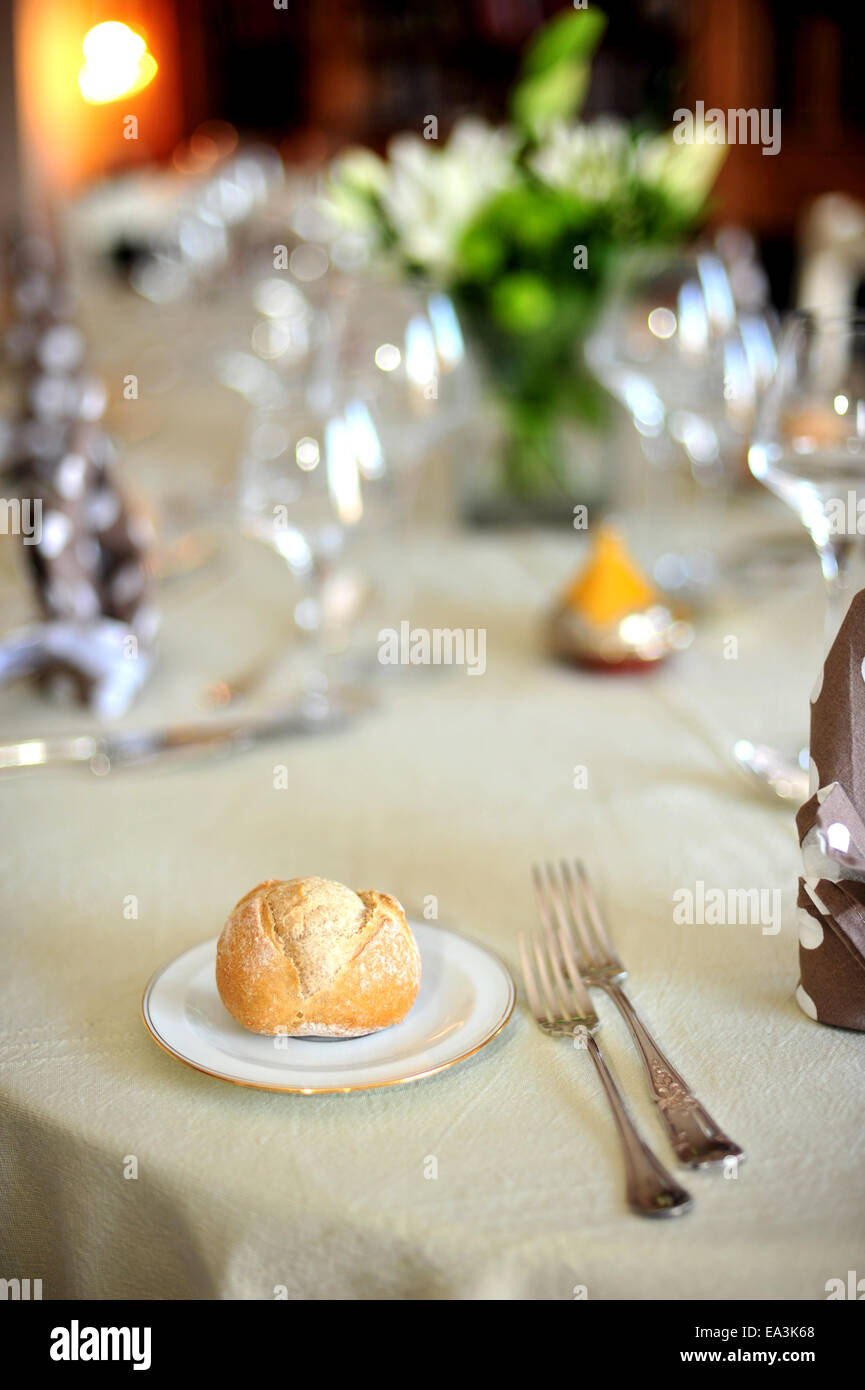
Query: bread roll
310	958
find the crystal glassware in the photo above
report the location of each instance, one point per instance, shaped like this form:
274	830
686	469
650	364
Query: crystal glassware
324	483
808	447
687	363
406	338
808	444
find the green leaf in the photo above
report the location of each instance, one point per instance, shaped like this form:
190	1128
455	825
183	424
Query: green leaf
523	302
481	254
556	94
571	36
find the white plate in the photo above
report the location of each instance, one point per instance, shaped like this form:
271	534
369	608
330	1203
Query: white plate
466	997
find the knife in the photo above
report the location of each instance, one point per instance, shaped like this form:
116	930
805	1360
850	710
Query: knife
126	749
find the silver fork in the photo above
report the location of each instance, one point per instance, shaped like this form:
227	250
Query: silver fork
696	1138
561	1008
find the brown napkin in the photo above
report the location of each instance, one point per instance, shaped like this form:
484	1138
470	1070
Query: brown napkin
831	827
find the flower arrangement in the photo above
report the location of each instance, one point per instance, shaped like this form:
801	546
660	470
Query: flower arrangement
525	226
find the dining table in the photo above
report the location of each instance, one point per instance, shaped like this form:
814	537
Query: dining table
127	1175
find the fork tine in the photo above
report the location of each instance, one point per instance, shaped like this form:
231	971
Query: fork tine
557	1000
553	947
556	997
569	955
565	944
590	946
541	978
580	989
538	1009
595	912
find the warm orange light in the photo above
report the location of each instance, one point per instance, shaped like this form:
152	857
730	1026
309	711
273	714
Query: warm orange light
116	63
209	142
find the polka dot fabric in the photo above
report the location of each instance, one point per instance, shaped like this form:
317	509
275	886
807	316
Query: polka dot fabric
831	826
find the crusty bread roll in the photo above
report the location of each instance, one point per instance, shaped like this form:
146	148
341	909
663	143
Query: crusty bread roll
310	958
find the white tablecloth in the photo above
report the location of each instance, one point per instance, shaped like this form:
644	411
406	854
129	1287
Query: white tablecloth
452	788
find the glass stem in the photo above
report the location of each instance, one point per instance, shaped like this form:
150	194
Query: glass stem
309	628
324	625
835	562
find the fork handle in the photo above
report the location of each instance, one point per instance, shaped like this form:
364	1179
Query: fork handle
650	1189
696	1138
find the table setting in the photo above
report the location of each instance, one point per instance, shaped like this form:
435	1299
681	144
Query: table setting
415	655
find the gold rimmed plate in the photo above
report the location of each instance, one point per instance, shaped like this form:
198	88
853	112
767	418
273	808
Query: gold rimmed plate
465	999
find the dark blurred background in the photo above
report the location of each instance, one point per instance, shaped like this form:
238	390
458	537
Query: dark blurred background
316	76
338	71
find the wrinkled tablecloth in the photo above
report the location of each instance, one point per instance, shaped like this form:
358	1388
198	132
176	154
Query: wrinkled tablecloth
451	788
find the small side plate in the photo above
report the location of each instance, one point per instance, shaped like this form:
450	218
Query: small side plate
466	997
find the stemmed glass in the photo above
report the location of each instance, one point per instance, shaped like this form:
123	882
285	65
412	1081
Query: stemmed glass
674	348
408	339
321	479
333	451
808	447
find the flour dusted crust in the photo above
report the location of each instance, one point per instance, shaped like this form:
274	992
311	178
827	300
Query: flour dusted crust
310	958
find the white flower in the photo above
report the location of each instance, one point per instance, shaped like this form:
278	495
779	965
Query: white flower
357	178
362	170
434	191
589	160
684	172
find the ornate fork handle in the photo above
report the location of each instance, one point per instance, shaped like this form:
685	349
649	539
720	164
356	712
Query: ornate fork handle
651	1190
696	1138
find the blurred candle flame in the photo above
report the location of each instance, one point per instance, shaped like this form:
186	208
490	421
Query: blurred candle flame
116	63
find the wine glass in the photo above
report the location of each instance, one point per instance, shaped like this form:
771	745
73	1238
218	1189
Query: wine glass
673	347
324	484
407	339
808	447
